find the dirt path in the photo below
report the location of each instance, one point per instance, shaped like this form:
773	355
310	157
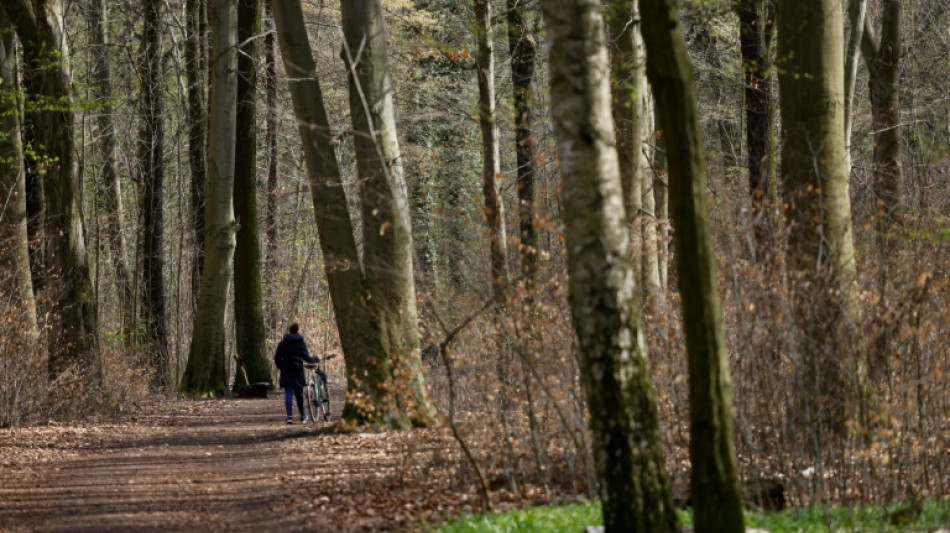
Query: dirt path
224	465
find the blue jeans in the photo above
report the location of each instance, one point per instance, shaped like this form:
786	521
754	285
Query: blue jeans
289	394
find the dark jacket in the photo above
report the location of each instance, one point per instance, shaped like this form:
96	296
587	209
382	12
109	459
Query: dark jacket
289	358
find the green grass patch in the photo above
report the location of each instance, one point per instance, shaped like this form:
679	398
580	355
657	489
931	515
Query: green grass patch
934	514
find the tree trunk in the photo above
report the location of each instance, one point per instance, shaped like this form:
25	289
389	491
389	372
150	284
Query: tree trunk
857	10
73	343
628	451
521	43
756	22
196	64
206	372
882	56
717	501
820	257
626	65
359	334
399	392
491	167
15	283
272	211
653	291
152	168
661	196
106	136
248	300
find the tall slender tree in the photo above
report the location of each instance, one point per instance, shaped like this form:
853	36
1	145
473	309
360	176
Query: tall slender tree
881	53
152	171
196	66
756	23
387	231
820	255
248	294
206	371
15	283
628	451
491	165
857	10
717	501
272	211
106	140
523	49
48	84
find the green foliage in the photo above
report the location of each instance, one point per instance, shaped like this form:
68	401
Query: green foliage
933	514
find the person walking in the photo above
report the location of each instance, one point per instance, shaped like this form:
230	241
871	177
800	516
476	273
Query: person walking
290	356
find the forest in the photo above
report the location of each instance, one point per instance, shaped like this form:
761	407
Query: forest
683	263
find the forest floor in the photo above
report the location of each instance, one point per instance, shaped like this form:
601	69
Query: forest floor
229	465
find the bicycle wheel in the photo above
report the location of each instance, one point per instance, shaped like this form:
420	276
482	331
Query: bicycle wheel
313	400
323	397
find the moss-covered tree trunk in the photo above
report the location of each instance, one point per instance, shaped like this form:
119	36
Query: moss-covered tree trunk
491	165
207	371
717	501
73	342
15	283
248	294
882	57
398	390
627	446
820	256
151	159
523	49
272	209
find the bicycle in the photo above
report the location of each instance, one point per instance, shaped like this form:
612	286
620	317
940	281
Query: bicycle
317	393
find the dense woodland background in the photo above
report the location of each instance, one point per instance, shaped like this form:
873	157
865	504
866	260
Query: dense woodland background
137	77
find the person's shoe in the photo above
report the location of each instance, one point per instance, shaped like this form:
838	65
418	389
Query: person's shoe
304	419
290	420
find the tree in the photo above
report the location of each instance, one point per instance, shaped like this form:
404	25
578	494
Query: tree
626	65
106	140
820	256
856	13
15	284
627	448
196	63
717	501
248	299
523	49
272	211
491	166
756	23
206	371
48	84
152	168
398	384
882	57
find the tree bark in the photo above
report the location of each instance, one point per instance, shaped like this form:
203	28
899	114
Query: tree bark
15	283
717	501
73	344
820	256
626	65
196	64
523	49
106	137
491	166
248	299
206	372
882	57
756	23
399	391
627	447
857	10
152	169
